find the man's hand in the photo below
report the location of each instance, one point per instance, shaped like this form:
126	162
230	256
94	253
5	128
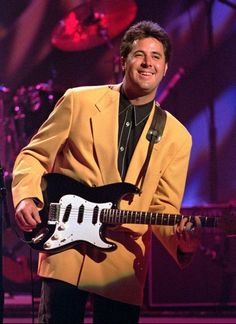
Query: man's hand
188	235
27	215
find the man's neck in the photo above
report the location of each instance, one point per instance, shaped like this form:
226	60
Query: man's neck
140	101
137	100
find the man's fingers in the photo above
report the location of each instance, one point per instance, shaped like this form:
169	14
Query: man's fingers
36	216
23	225
189	227
27	215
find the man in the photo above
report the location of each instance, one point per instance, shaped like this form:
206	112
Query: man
97	136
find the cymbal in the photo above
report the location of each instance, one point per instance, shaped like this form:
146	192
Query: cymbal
92	24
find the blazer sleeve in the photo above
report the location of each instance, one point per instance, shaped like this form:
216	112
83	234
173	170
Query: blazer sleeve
38	157
169	194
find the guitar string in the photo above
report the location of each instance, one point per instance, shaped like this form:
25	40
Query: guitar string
149	217
140	217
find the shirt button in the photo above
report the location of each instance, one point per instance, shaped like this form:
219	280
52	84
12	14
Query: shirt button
127	124
122	148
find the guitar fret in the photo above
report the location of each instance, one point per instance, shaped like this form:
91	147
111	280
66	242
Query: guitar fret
165	219
130	218
103	216
142	218
117	218
152	219
139	218
172	219
120	218
179	218
111	216
135	217
158	219
125	217
147	218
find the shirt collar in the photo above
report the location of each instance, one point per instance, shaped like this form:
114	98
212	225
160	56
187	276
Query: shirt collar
141	112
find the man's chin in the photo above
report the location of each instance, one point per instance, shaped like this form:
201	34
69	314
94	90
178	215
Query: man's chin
147	89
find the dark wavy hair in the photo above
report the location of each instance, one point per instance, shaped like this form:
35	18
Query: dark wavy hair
145	29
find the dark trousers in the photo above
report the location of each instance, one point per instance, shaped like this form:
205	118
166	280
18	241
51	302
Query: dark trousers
64	303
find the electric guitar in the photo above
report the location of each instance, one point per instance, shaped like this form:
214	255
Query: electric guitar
74	213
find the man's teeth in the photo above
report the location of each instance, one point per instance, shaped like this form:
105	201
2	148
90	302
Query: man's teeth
146	73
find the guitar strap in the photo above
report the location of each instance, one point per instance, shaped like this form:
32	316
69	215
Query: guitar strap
154	135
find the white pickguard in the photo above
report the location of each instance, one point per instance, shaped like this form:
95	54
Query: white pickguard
72	231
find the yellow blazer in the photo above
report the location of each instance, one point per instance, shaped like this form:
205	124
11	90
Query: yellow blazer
80	140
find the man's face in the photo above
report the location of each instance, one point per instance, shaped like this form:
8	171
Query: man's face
144	67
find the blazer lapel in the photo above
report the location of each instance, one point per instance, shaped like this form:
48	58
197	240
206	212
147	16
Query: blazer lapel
105	132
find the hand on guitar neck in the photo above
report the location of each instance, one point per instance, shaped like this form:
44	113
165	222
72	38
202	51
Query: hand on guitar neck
188	234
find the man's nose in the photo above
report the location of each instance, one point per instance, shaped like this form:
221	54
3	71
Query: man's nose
147	61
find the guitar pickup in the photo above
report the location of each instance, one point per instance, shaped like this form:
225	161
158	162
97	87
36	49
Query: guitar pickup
54	212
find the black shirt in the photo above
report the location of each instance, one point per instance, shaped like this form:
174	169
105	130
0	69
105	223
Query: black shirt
132	120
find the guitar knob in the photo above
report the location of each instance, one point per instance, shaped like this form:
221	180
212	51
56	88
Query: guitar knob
55	237
61	227
47	245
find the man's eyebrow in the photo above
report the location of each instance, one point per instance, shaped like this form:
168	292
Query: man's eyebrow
157	52
139	50
153	52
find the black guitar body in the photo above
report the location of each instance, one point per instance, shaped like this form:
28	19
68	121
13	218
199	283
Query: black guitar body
55	186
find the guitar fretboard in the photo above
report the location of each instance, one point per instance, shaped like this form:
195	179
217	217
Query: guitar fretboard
116	216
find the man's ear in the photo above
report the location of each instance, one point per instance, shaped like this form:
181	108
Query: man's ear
123	63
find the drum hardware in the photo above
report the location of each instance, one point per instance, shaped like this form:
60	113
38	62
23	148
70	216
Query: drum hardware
39	94
19	121
31	106
92	24
21	114
81	29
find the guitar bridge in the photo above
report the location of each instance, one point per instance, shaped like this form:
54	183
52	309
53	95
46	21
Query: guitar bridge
54	211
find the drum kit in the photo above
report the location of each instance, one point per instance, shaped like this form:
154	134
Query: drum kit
21	115
90	24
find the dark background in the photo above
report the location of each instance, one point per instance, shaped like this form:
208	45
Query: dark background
199	89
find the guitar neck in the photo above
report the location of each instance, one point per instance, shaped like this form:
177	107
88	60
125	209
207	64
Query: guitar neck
116	216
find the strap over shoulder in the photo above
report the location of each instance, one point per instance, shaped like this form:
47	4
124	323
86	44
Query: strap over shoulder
158	124
154	135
